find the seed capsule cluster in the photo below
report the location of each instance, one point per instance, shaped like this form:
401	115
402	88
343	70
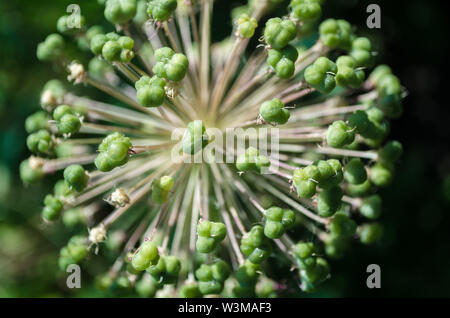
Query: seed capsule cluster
230	228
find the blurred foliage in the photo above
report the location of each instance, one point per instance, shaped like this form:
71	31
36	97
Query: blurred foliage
413	256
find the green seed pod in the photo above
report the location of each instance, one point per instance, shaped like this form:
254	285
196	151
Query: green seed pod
104	282
161	188
120	11
77	248
111	51
170	65
211	277
370	233
329	201
97	42
390	152
161	10
246	26
330	173
362	52
76	177
321	75
195	137
146	256
306	10
40	142
283	61
305	180
210	234
166	270
69	124
99	68
73	217
355	172
266	288
339	134
252	161
30	174
382	174
348	75
36	121
315	274
273	111
70	24
336	34
389	95
255	245
371	207
190	290
61	189
342	225
247	274
378	73
278	33
51	49
151	91
360	122
359	190
113	152
146	288
278	220
336	246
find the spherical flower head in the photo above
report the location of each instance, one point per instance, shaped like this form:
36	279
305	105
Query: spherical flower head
51	49
161	10
120	11
339	134
246	26
97	234
283	61
170	65
321	75
306	10
252	161
336	34
150	91
273	111
278	220
119	197
278	33
348	74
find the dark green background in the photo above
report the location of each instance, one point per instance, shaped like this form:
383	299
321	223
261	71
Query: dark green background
414	256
